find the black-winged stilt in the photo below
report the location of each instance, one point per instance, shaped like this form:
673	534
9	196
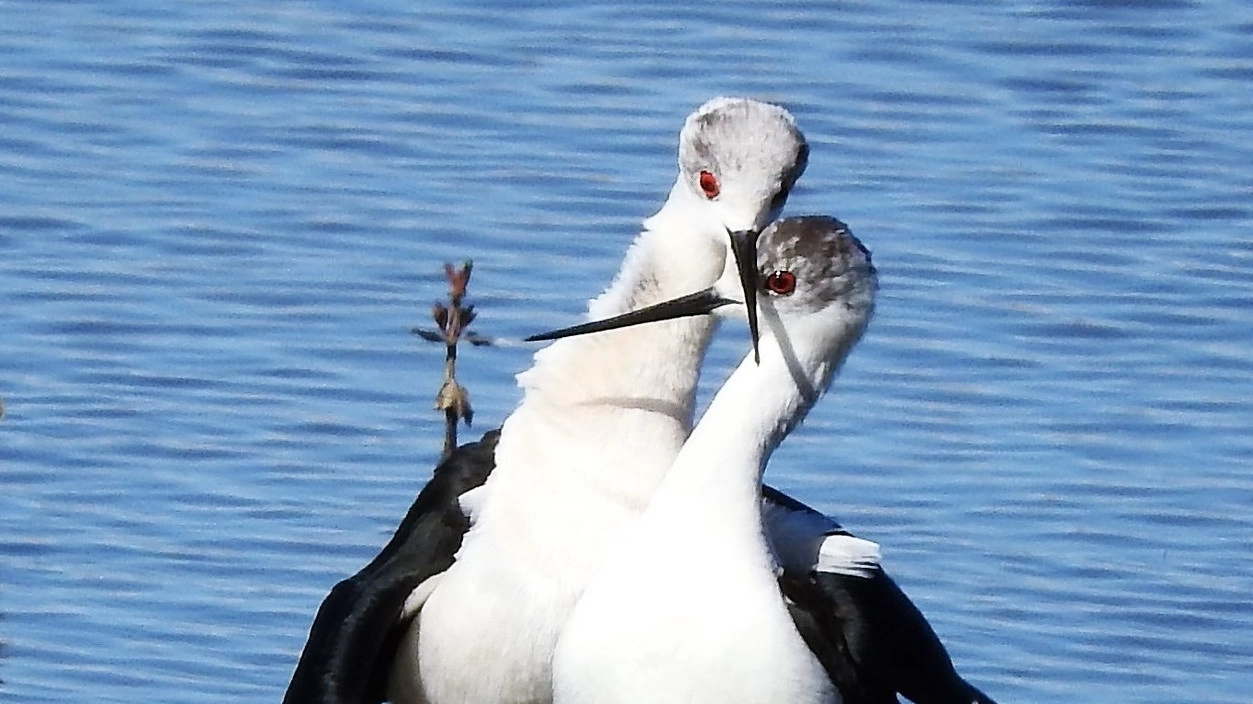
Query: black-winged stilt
598	426
699	601
600	422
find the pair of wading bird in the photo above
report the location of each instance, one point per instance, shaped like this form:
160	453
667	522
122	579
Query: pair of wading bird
599	549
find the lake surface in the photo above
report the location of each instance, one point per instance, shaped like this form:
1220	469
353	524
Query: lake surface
218	222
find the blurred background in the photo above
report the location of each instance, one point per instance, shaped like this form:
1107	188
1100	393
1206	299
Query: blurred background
219	220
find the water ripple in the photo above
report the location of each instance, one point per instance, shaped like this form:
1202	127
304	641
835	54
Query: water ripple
221	221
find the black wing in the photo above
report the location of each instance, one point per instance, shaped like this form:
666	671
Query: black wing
870	638
353	637
868	635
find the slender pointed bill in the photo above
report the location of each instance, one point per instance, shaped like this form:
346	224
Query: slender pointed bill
744	247
698	303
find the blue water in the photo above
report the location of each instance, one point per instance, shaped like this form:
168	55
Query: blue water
219	220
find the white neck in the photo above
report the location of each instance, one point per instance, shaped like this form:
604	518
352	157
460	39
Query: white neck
687	607
601	420
652	366
603	416
717	475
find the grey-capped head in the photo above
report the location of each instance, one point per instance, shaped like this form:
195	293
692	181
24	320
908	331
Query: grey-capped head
816	292
738	161
743	156
813	263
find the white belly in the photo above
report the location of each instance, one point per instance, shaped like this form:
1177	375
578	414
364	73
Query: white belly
482	639
487	632
567	482
681	623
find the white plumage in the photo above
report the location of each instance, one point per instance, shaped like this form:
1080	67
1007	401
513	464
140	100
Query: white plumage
465	603
601	421
688	608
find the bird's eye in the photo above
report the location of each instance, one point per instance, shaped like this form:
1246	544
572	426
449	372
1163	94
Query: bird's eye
709	184
782	283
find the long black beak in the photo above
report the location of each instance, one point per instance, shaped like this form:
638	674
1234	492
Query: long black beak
698	303
744	247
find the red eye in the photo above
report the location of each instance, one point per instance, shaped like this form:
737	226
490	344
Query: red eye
709	184
781	282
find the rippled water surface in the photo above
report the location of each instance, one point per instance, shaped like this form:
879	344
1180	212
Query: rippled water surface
219	220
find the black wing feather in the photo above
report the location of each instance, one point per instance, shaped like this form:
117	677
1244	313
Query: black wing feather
868	635
872	640
832	649
353	637
891	645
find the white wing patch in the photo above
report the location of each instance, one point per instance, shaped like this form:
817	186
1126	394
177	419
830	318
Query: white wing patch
419	595
796	536
471	502
807	541
846	554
